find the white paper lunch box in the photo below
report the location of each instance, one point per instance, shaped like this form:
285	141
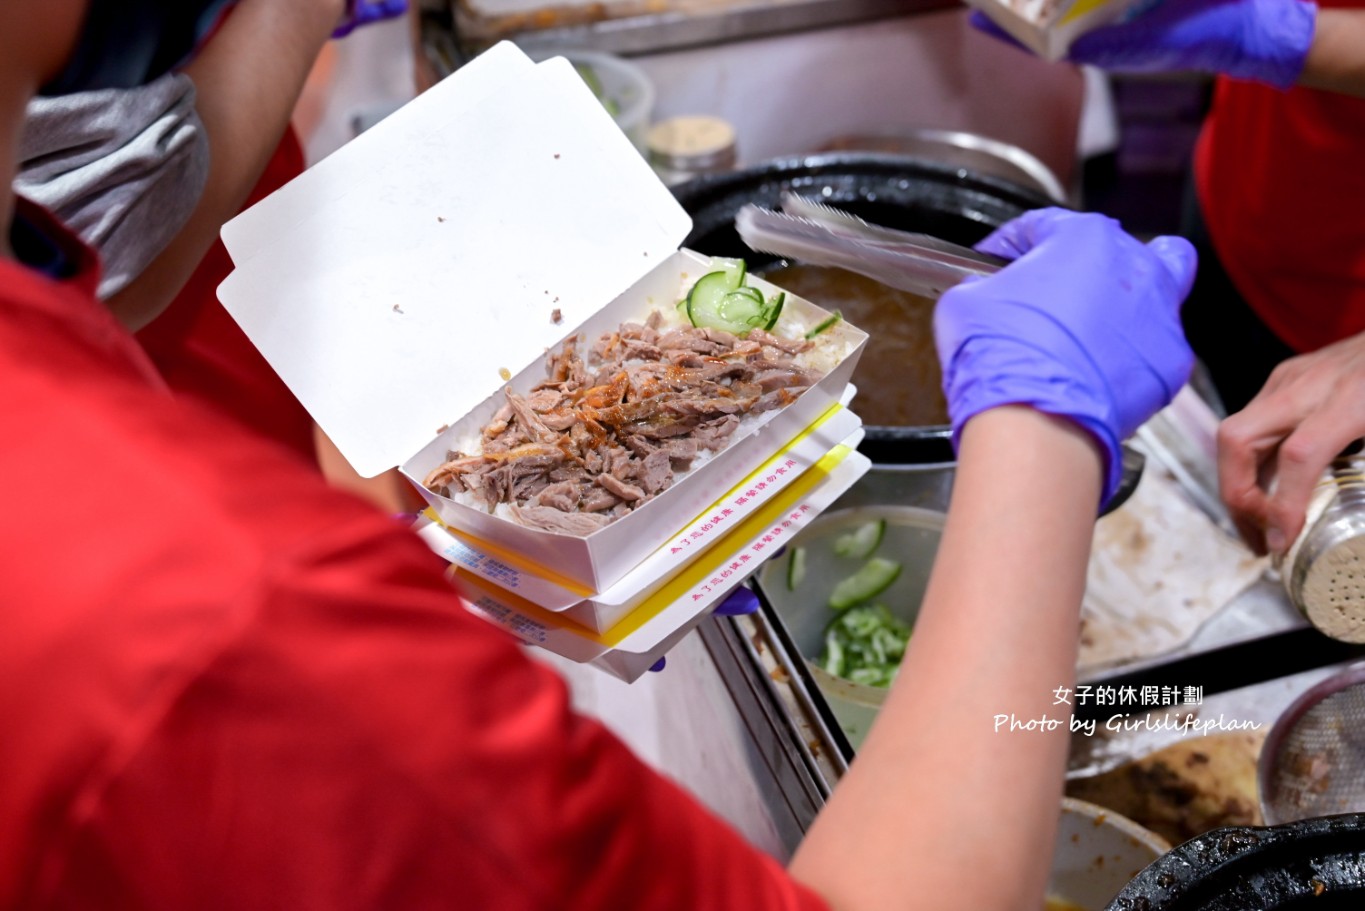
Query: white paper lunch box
1048	27
658	623
795	464
399	285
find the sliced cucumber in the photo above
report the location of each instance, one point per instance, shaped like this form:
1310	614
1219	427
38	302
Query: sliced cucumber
796	568
871	676
825	324
703	301
712	306
721	300
862	541
834	654
865	644
740	310
735	268
774	309
875	577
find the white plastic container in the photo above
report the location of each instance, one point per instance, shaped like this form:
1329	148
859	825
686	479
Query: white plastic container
911	539
399	284
801	465
658	623
601	559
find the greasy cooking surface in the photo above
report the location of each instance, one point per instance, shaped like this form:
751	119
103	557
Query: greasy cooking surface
1186	789
1317	864
898	378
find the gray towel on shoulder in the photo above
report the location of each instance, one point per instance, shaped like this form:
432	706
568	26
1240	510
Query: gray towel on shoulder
122	168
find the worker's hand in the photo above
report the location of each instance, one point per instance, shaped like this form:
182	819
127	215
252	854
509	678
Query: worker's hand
1084	325
1273	452
363	12
1263	40
740	601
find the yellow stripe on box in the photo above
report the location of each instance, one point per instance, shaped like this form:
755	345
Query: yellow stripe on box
544	572
767	516
1081	8
512	557
792	444
751	527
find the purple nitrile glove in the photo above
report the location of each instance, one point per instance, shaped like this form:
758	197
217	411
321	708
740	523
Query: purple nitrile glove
1085	325
363	12
740	601
1263	40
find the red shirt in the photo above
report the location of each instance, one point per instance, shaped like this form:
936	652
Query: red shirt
225	685
1281	182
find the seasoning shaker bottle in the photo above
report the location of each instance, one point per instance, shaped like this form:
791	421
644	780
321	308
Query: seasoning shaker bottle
684	147
1324	570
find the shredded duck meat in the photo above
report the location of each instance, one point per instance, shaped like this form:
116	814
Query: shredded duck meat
601	436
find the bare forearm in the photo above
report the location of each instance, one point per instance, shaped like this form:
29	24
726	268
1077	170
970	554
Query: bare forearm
1336	61
936	789
248	78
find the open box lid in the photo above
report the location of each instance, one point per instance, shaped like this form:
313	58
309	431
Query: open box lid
394	286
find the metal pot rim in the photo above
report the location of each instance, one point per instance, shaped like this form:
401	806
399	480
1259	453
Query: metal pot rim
815	164
1265	860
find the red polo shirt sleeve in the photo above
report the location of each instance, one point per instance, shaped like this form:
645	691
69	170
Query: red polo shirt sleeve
228	686
1281	186
357	742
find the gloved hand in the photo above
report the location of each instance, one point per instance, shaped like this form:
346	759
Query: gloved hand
740	601
1084	325
363	12
1263	40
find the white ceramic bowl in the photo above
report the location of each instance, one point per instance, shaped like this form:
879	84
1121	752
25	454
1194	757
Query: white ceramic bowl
912	539
1097	853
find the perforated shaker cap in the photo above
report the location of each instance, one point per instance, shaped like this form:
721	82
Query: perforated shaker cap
1324	571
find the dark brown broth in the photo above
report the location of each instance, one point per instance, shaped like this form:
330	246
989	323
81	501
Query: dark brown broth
898	378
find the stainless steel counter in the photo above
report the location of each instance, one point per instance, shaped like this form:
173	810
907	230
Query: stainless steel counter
651	26
1251	662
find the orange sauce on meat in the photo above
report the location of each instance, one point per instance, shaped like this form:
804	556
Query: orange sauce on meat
898	377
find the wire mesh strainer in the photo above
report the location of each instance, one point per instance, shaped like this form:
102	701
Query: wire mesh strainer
1313	760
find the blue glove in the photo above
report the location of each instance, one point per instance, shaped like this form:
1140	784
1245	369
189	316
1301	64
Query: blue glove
1263	40
1084	325
740	601
363	12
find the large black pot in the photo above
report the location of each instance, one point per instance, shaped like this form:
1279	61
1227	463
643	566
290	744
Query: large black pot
910	194
1313	865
